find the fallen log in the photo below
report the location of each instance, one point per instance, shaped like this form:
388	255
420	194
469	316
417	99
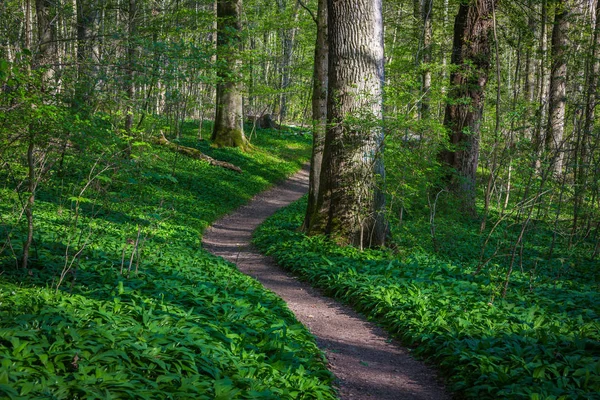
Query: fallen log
195	153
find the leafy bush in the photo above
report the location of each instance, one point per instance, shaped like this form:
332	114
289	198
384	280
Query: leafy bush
541	341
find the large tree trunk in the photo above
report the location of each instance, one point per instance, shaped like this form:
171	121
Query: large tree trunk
350	206
319	109
558	88
228	130
471	55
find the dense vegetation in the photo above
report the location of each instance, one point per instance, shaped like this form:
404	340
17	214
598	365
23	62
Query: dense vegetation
486	112
541	341
143	311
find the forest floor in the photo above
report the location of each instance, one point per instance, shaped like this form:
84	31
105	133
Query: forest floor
366	361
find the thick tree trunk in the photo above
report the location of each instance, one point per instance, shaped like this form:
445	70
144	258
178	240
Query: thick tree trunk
350	206
228	130
471	54
558	88
319	110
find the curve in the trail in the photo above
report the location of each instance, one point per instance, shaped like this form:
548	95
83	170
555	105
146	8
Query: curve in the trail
366	362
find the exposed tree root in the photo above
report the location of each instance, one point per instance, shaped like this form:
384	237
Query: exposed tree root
195	153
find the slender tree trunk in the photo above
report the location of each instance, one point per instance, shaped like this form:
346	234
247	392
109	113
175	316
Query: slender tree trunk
87	16
228	130
591	101
288	41
46	51
426	67
319	110
350	206
43	58
132	31
471	54
558	88
542	84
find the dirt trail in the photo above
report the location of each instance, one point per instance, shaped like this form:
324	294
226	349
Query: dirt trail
367	363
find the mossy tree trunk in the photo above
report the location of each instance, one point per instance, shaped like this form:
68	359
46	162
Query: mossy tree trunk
350	204
471	56
228	130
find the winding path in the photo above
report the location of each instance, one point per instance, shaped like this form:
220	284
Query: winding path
366	362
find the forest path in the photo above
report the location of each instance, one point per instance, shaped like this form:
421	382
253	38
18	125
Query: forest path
366	362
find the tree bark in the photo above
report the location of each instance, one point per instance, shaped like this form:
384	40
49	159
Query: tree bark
319	109
558	88
542	83
583	144
131	32
46	42
228	130
427	10
350	205
288	39
471	55
87	20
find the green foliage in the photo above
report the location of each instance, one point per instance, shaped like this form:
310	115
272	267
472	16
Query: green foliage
541	341
143	311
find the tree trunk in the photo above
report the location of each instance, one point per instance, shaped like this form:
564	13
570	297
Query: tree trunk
350	205
542	83
471	55
583	140
228	130
319	110
132	30
288	41
426	68
558	88
46	42
87	19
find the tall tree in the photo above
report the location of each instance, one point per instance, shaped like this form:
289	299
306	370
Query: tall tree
131	39
426	11
228	130
86	20
558	86
350	200
471	55
319	108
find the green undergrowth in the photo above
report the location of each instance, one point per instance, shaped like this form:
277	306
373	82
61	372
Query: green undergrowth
143	311
542	341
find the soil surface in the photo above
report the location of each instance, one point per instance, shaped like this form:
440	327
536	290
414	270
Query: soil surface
366	362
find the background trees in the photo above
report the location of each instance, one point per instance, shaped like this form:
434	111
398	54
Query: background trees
111	75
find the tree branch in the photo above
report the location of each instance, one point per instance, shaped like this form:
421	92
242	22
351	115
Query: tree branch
309	11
